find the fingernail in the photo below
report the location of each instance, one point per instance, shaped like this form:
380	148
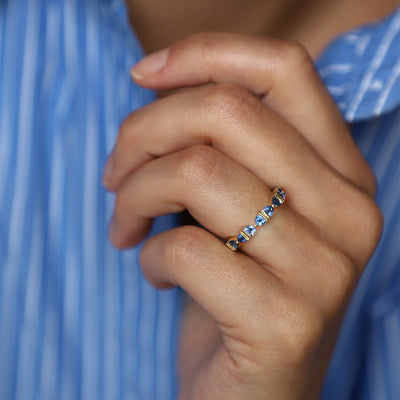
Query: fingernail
108	172
150	64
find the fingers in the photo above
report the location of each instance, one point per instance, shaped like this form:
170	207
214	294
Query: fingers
249	133
280	72
226	284
247	301
217	191
226	116
225	197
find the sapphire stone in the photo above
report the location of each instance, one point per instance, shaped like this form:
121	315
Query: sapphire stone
250	230
241	239
281	193
269	210
276	201
260	220
234	244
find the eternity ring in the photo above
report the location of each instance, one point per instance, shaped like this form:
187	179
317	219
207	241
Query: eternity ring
277	199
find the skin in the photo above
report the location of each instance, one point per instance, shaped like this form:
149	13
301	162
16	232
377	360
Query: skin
263	321
313	23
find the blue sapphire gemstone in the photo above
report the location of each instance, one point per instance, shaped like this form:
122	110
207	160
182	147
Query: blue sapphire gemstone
281	193
260	220
234	244
250	230
241	239
276	201
269	210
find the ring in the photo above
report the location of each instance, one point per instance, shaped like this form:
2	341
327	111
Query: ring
277	199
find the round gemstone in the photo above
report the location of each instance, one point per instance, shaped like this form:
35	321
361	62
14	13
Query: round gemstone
250	230
269	210
260	220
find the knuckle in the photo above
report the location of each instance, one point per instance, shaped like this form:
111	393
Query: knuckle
373	220
199	166
232	103
295	58
368	219
183	245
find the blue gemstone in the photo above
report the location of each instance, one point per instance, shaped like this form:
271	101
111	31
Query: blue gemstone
281	193
234	244
250	230
269	210
276	201
241	239
260	220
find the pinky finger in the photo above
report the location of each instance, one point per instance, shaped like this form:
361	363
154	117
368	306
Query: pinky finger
226	284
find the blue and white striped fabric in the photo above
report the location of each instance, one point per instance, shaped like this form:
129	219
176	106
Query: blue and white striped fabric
77	319
362	71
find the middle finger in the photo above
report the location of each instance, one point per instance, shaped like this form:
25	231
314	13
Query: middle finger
235	122
224	197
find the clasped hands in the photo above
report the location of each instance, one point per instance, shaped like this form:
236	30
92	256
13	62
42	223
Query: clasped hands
254	115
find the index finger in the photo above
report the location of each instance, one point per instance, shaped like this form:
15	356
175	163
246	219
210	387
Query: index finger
280	72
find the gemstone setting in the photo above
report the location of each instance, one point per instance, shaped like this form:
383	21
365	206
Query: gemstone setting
234	244
260	220
241	239
281	193
269	210
250	230
247	232
277	201
263	216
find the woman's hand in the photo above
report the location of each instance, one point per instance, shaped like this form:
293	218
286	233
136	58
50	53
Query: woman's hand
255	116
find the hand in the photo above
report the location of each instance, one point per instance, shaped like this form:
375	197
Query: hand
255	116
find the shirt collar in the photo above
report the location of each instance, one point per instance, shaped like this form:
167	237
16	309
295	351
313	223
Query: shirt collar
362	69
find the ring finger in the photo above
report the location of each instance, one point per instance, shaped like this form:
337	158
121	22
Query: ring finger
224	197
223	116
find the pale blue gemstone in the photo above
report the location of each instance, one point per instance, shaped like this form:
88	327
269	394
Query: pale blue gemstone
260	220
250	230
269	210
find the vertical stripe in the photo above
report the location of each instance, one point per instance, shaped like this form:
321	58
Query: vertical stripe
113	271
13	279
87	297
26	358
90	378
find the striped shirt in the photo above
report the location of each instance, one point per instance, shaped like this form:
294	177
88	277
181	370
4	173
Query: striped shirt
362	71
77	318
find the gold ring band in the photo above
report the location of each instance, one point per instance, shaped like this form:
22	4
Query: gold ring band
277	199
